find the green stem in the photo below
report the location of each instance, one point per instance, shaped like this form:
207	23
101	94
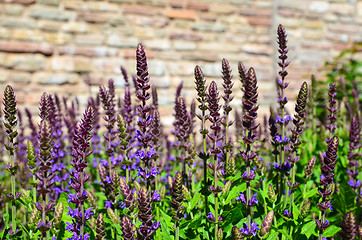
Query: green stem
227	139
177	235
205	164
82	206
216	197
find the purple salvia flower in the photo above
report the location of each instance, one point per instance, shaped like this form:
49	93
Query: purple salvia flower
349	226
328	163
80	150
146	229
332	108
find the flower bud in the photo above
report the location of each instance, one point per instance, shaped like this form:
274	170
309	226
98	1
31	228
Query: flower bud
220	234
305	209
271	193
112	216
226	188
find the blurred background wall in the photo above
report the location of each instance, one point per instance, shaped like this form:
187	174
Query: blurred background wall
53	45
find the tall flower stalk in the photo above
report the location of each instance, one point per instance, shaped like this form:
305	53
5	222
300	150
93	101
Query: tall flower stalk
249	104
282	100
202	99
44	175
146	154
80	151
298	121
215	119
176	202
228	85
10	123
328	163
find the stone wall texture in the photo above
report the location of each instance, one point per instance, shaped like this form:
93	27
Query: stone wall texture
54	45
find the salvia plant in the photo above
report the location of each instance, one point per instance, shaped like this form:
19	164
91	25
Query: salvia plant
110	169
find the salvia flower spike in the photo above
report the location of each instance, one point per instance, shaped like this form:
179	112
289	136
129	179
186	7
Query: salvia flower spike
201	88
176	201
80	150
249	104
10	113
349	226
298	121
328	163
44	174
266	224
215	119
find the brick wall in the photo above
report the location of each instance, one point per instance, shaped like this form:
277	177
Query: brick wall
53	45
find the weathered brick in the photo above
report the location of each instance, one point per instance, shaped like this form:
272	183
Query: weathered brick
108	65
156	67
176	4
91	17
224	9
313	34
62	63
180	68
117	41
184	46
156	21
319	6
50	13
16	77
24	2
342	28
45	78
208	27
258	49
5	33
116	20
75	27
49	26
17	23
260	21
211	17
342	8
211	69
102	6
25	47
57	38
13	9
185	36
24	62
182	14
157	44
198	6
120	1
290	12
49	2
138	10
82	64
160	82
313	24
27	35
89	39
205	57
87	51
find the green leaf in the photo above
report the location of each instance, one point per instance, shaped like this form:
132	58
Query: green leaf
331	231
285	233
295	211
273	236
235	192
194	200
308	228
311	193
166	235
167	219
63	199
